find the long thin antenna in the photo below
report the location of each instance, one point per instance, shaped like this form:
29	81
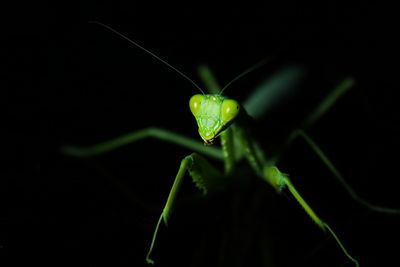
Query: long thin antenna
149	52
248	70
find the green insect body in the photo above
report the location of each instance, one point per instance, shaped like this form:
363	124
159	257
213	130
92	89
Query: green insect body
219	116
214	114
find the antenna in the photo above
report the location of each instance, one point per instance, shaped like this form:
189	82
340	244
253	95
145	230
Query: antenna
149	52
248	70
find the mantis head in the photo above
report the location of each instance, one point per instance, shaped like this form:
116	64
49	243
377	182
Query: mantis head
213	113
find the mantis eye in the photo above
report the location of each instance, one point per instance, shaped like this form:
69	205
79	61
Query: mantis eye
230	109
194	104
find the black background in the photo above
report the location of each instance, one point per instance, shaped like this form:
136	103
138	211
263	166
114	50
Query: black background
66	81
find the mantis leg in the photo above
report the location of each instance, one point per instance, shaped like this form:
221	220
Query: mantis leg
280	181
270	173
318	112
157	133
204	175
325	105
336	173
328	102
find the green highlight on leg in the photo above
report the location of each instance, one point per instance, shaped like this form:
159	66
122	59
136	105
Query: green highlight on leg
279	181
156	133
185	165
304	204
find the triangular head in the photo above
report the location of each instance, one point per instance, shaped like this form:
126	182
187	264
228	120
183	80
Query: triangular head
213	113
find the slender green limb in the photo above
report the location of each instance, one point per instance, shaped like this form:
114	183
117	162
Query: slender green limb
156	133
186	164
328	163
279	181
153	241
205	177
228	150
327	103
341	245
318	112
303	203
203	174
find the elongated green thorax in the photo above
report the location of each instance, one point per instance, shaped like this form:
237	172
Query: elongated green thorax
213	113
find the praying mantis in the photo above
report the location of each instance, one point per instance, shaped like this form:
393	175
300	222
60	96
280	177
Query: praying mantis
221	117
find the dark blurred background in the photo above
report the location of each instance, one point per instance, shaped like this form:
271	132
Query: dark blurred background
65	81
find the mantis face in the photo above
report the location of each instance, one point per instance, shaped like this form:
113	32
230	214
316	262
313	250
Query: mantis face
213	113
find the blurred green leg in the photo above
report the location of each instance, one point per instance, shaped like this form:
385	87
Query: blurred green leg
328	102
157	133
339	177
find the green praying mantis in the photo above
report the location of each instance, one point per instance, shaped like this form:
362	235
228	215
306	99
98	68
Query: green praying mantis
218	116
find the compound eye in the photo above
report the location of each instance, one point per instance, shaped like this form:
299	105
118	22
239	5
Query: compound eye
230	109
194	104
